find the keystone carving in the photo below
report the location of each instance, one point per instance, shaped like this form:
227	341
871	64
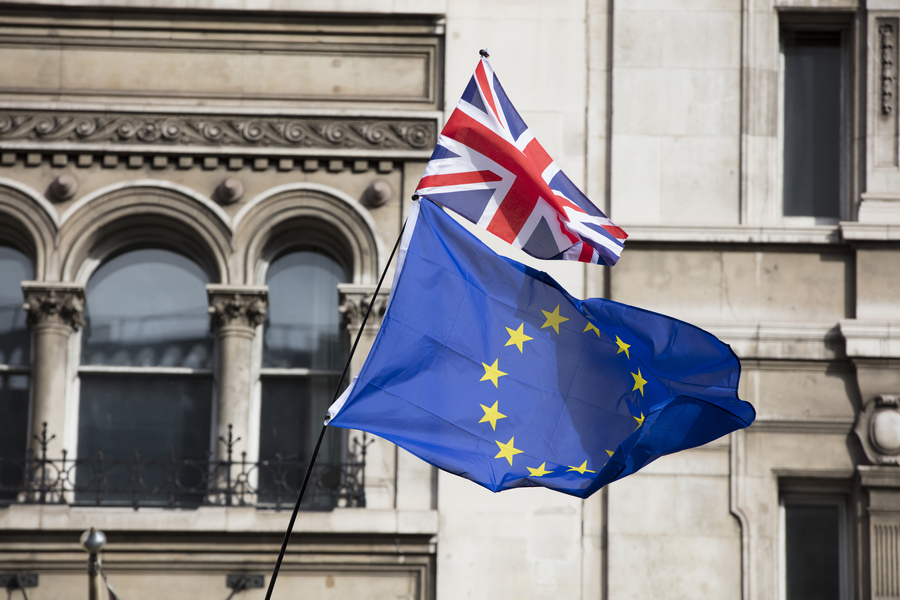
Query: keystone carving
237	306
354	302
54	304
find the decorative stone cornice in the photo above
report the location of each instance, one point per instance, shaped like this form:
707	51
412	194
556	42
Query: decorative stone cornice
54	304
46	128
241	306
354	302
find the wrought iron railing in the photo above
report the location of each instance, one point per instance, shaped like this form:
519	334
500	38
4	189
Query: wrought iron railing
182	482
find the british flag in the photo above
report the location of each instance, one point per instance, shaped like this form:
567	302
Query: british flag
489	168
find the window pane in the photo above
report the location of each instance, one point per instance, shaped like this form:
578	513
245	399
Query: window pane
160	416
15	339
812	123
147	308
15	349
812	551
293	410
303	325
13	431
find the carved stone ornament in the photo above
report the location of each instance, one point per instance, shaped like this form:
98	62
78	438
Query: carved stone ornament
354	302
878	429
377	193
63	188
202	130
229	191
887	30
237	306
54	304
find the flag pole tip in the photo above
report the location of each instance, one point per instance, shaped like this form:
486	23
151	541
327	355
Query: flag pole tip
415	197
484	52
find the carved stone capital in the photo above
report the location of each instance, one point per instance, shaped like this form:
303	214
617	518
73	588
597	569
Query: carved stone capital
354	302
49	304
242	306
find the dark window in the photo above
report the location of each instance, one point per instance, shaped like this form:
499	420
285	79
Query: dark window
15	361
813	540
146	383
304	349
814	122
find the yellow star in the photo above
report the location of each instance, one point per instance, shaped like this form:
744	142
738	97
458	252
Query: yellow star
623	347
517	337
582	469
491	415
507	450
639	382
540	471
611	452
553	319
492	373
640	421
591	326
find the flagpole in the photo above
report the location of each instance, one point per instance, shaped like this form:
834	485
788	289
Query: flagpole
337	391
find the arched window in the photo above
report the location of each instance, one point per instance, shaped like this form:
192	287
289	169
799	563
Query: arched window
146	378
304	349
15	369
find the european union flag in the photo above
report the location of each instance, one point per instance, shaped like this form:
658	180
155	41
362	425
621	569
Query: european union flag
490	370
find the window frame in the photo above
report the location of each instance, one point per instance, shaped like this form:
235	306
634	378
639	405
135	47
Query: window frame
105	252
11	369
843	22
307	238
818	493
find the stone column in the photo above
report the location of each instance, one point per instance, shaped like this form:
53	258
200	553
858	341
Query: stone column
381	458
55	311
235	313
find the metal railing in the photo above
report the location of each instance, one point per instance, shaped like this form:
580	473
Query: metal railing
182	482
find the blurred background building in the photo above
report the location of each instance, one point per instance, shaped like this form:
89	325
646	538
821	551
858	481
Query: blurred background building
197	198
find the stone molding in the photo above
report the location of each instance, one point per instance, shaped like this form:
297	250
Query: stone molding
778	341
871	339
213	133
735	234
240	306
54	304
354	302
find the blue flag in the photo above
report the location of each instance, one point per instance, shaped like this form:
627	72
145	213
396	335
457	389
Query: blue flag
490	370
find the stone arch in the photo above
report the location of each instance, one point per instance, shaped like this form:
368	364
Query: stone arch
144	213
306	214
29	223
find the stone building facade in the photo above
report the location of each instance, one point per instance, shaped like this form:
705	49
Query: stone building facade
197	198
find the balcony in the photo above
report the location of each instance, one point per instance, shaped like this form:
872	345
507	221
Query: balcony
182	482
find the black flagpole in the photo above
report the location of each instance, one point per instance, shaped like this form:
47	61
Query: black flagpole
312	459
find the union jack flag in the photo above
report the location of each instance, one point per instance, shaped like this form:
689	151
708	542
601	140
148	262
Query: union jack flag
489	168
